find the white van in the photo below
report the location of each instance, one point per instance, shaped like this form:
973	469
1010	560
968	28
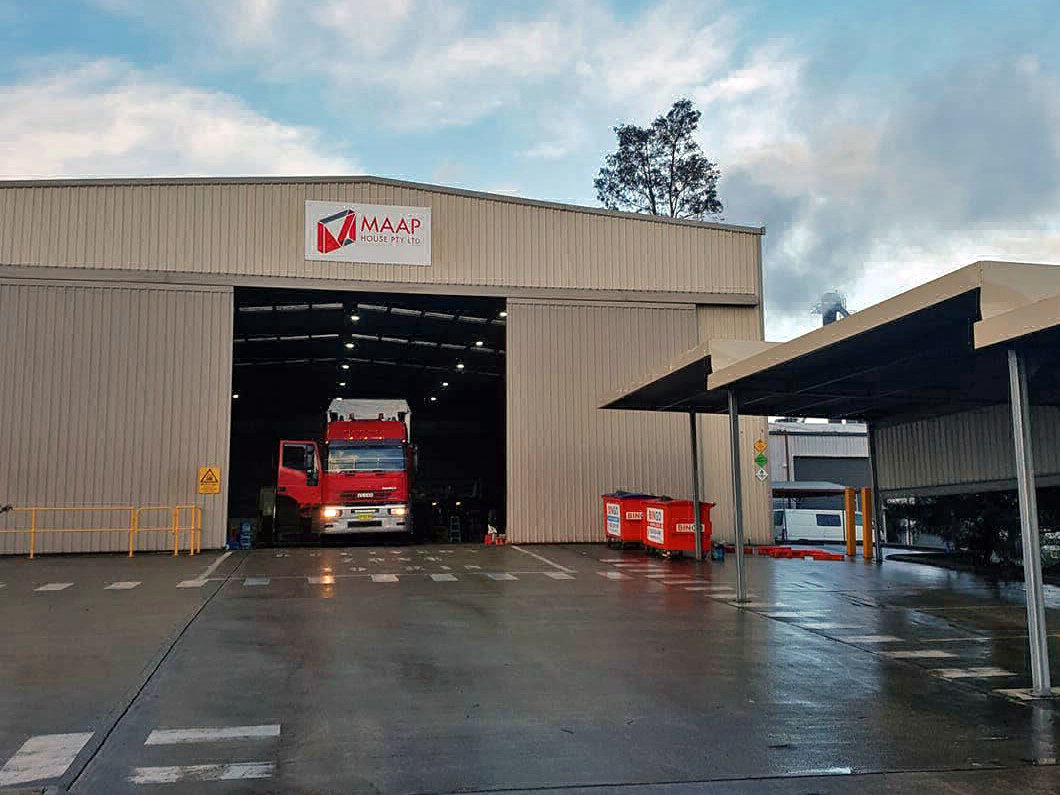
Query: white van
810	524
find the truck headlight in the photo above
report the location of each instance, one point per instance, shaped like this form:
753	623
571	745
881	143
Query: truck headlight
331	513
399	511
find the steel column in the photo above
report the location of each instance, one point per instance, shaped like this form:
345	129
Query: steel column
1028	500
877	500
737	496
693	434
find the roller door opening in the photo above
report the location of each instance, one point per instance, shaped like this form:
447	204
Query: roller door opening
297	352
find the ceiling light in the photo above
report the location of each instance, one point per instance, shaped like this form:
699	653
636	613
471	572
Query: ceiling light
342	383
459	365
345	367
478	343
349	344
457	502
433	398
434	503
235	396
355	318
445	383
503	313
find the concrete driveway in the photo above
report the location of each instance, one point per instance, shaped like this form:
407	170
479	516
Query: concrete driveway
437	669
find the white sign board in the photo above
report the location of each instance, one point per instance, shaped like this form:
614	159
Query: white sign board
368	233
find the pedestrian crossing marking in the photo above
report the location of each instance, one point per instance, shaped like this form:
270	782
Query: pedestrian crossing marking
173	774
43	756
384	578
614	575
559	575
255	582
54	586
501	576
124	585
443	577
191	583
211	734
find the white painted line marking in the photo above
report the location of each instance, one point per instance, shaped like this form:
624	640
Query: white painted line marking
982	672
652	576
211	734
447	568
255	582
213	566
123	585
384	578
501	576
41	757
191	583
614	575
870	639
559	575
713	591
825	625
543	559
54	586
611	560
177	773
679	582
758	605
917	654
443	577
323	579
471	566
796	614
398	552
1023	693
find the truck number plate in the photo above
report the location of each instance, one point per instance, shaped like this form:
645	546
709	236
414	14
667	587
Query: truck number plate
364	517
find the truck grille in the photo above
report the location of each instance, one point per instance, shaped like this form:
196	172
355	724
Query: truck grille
358	498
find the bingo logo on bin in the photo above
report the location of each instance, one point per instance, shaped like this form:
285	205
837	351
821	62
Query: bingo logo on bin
655	515
613	509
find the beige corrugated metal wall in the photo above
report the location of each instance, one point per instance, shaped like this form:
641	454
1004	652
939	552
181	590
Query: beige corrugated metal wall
563	452
970	449
733	322
257	229
112	395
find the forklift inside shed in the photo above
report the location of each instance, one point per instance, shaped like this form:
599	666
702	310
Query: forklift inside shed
297	350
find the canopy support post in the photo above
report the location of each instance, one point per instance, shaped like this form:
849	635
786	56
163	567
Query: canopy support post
1028	502
737	496
693	434
877	500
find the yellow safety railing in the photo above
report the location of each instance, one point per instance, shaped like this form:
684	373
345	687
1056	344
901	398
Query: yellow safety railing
176	516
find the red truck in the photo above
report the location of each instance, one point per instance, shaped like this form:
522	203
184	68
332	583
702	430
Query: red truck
360	483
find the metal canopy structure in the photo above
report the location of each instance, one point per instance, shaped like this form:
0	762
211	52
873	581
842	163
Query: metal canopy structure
985	335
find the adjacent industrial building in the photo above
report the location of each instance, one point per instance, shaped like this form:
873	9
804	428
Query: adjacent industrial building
126	307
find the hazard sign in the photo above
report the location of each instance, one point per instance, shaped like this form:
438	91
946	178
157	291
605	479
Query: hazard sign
760	446
209	480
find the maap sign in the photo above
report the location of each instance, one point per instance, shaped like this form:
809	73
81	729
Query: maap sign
370	233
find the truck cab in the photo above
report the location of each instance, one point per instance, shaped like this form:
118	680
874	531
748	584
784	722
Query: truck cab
359	481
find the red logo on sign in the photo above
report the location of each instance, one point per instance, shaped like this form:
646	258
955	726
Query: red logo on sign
327	240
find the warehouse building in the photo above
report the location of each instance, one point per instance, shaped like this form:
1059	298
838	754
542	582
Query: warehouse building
134	312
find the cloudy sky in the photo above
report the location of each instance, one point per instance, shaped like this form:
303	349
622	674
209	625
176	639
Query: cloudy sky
881	143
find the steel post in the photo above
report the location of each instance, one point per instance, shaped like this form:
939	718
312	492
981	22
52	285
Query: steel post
737	496
877	500
1028	501
693	435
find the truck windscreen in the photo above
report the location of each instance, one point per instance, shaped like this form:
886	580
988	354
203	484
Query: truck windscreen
345	457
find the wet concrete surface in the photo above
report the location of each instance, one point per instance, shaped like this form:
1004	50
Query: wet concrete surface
478	668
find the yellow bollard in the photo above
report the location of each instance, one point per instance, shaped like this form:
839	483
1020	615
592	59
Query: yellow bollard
32	532
867	536
134	521
176	532
850	523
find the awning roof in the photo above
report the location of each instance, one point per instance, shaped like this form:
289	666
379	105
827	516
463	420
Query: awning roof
806	488
906	358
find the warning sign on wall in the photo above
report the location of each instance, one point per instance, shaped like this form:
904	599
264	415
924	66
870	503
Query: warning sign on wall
209	480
